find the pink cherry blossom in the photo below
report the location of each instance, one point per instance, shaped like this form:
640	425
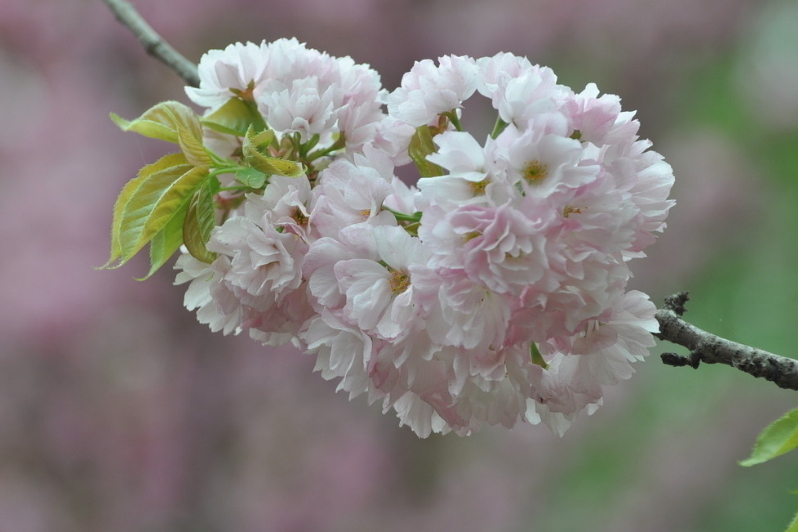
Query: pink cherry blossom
495	293
239	68
429	90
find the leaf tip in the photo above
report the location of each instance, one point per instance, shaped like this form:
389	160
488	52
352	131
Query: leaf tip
120	122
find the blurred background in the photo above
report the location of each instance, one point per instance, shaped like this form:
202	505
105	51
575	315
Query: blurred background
118	412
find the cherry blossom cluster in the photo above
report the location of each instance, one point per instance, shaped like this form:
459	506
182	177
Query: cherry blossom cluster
491	292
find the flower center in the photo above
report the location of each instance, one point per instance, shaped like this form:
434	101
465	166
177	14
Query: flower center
569	210
299	216
399	281
471	236
535	171
478	187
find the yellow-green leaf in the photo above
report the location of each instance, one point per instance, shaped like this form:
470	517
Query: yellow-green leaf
778	438
173	122
154	203
189	134
233	118
255	149
168	161
148	125
420	146
276	166
199	221
166	241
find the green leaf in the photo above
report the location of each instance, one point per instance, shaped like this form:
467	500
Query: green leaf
189	135
166	241
420	146
778	438
200	220
251	177
172	122
149	124
537	358
233	118
154	203
168	161
793	525
254	151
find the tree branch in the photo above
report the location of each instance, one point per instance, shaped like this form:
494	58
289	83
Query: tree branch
711	349
153	43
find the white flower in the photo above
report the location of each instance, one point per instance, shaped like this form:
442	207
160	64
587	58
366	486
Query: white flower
519	90
214	304
305	106
379	293
429	90
236	70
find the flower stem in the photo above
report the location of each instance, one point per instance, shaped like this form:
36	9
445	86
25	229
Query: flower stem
498	127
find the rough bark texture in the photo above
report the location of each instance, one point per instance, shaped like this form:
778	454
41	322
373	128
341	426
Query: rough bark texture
711	349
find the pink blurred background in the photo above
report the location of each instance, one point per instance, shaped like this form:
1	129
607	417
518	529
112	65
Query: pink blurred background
118	412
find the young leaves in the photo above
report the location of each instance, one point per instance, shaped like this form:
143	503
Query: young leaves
199	221
778	438
234	118
422	145
171	161
170	202
172	122
254	149
166	241
151	209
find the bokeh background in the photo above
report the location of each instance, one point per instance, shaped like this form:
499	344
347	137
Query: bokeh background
118	412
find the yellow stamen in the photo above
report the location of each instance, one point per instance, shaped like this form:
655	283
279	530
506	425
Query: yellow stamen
478	187
535	171
569	210
399	281
299	216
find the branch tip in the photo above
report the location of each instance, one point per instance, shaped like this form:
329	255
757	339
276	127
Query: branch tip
711	349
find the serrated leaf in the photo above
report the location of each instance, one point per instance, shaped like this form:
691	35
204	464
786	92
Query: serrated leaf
778	438
167	161
189	134
251	177
262	140
173	122
154	203
233	118
199	222
276	166
420	146
166	241
793	527
254	147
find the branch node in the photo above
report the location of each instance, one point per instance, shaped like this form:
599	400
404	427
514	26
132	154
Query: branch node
676	302
677	360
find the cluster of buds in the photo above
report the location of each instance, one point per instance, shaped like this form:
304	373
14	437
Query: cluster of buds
492	291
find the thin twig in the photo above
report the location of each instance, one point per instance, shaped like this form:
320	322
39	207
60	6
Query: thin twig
153	43
712	349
